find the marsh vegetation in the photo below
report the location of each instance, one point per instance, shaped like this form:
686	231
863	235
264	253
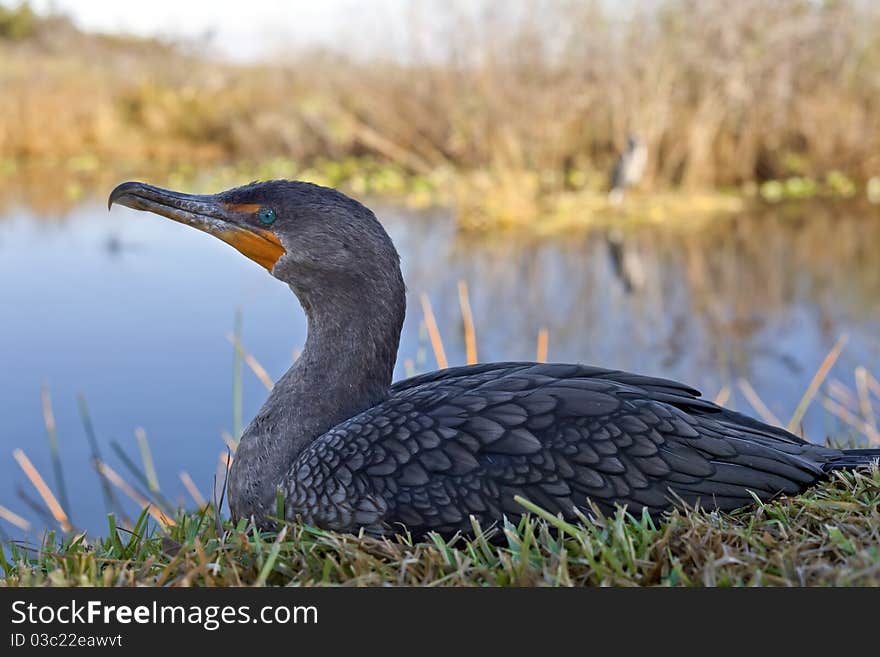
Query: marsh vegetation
744	262
514	114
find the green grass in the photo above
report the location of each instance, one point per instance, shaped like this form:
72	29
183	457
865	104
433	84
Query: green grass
828	536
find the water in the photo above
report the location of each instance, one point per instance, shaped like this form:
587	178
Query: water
132	311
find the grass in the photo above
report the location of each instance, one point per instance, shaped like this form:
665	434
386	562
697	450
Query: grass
827	536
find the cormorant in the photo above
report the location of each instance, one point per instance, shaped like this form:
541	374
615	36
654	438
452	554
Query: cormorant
347	449
629	168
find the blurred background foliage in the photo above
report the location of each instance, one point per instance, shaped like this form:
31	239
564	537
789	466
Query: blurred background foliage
500	108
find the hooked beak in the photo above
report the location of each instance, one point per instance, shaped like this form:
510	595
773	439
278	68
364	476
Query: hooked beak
226	221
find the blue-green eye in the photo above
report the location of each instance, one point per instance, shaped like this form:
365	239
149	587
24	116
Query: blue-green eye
266	216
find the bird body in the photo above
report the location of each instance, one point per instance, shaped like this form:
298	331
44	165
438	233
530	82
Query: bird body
629	169
466	441
348	450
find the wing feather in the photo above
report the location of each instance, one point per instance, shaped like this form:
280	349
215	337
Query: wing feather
466	440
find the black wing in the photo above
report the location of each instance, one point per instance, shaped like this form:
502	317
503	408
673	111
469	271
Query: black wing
465	441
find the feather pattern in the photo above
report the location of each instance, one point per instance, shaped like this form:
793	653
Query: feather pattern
467	440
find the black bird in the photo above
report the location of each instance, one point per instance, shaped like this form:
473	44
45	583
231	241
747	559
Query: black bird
629	168
347	449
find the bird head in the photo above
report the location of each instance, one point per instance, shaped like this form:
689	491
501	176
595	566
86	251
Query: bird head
311	237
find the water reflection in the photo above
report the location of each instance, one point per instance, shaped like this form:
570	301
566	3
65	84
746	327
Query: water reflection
133	311
712	304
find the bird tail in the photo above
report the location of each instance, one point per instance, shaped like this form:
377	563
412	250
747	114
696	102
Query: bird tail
848	459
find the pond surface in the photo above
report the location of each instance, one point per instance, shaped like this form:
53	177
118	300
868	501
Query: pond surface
133	311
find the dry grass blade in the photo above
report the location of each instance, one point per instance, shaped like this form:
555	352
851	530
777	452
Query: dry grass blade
52	434
817	380
467	317
14	519
114	478
723	395
757	403
543	343
872	383
192	489
841	393
229	440
852	420
253	363
43	489
140	435
862	384
433	332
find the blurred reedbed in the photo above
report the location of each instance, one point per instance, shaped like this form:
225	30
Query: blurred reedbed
535	96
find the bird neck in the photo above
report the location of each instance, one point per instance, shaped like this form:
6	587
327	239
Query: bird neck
345	367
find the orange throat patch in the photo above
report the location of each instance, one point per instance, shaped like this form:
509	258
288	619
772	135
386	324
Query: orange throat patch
261	246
